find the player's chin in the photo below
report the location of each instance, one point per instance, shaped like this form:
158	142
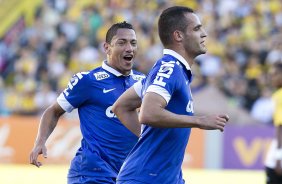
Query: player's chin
128	66
203	50
200	52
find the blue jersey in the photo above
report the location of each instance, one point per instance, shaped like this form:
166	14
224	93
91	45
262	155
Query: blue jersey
106	142
158	155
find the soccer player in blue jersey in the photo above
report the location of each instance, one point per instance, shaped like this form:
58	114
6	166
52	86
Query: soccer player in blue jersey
106	141
166	111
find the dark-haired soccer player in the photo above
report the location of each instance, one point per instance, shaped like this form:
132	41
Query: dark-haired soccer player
106	142
166	111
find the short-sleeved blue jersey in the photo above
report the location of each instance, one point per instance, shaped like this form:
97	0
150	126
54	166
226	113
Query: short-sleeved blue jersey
157	157
106	142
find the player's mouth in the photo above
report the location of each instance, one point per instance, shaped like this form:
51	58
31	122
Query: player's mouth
203	43
128	57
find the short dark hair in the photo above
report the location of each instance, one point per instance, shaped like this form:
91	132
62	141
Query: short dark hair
113	30
170	20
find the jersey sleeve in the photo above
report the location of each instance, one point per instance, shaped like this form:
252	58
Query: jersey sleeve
138	87
76	92
166	80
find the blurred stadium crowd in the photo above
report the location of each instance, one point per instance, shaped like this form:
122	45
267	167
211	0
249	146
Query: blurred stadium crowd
244	39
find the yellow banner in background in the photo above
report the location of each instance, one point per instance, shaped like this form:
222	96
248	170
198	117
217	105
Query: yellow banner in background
12	10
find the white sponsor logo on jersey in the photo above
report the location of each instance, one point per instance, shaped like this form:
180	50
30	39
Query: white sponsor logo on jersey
165	71
138	77
101	75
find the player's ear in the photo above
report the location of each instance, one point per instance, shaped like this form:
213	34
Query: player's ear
107	48
177	35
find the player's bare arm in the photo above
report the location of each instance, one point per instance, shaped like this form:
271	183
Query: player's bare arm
153	113
125	109
48	122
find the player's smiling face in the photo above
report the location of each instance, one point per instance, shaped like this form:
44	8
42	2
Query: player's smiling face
122	50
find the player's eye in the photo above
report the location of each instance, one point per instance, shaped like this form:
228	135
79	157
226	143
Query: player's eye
121	43
197	28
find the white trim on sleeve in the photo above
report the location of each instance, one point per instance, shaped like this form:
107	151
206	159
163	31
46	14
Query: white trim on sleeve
138	88
159	90
62	101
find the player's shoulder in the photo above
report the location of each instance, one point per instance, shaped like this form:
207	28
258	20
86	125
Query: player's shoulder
80	76
135	72
167	63
167	60
95	74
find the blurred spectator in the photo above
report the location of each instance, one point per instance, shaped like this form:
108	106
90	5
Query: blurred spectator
55	68
244	39
44	97
276	53
262	109
209	65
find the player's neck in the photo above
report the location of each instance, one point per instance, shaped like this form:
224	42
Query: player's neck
188	58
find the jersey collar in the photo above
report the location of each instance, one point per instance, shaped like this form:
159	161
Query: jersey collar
178	57
106	67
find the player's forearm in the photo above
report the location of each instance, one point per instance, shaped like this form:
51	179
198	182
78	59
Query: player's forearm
125	109
130	120
163	118
48	122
